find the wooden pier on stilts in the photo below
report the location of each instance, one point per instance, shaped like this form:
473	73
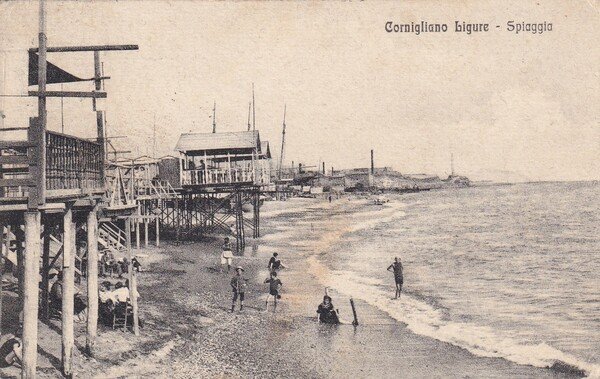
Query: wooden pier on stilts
63	202
51	193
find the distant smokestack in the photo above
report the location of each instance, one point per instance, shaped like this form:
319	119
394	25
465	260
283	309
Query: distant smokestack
372	163
299	168
323	168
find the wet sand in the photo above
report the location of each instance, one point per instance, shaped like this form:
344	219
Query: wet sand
289	342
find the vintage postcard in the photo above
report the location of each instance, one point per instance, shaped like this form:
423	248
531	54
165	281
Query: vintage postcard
319	189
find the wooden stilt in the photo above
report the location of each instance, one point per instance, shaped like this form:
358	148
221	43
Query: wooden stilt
132	280
20	270
92	281
145	232
157	231
68	287
3	250
45	311
30	291
137	233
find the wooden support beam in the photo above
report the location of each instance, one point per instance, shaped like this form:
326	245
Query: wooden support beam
157	231
132	279
16	182
20	271
68	287
5	247
137	234
14	159
146	233
30	298
65	49
93	94
37	154
45	311
92	281
15	144
14	128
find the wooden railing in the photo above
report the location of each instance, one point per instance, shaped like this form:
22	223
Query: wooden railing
215	176
72	165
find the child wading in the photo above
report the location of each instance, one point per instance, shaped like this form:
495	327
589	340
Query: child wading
327	312
238	286
274	288
226	255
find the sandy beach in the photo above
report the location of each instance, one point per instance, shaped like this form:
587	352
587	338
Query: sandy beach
189	330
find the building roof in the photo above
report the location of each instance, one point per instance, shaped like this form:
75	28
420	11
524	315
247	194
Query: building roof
265	149
218	141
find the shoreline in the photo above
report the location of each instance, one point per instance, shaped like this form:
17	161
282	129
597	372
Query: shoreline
190	332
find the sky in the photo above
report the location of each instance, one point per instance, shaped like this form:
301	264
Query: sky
509	107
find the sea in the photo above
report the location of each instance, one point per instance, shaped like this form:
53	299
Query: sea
510	271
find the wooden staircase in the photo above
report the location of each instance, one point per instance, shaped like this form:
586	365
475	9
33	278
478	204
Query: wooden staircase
111	237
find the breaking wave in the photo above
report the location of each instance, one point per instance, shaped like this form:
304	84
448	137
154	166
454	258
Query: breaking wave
427	320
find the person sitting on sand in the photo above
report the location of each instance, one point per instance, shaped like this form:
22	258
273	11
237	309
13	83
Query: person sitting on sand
327	313
11	352
396	268
238	286
226	255
275	263
274	288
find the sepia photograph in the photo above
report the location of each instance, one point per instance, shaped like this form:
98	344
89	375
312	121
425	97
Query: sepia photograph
299	189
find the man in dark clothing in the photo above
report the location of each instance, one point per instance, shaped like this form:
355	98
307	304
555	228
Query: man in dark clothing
396	268
274	288
238	286
326	311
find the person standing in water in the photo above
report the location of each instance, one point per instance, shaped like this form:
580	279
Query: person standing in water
238	287
396	268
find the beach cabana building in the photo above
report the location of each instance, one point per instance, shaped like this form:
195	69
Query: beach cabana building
222	159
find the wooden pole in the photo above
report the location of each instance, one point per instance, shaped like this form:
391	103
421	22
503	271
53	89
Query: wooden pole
20	272
5	245
45	273
137	233
157	231
37	132
30	298
99	114
145	232
92	281
132	279
68	287
355	322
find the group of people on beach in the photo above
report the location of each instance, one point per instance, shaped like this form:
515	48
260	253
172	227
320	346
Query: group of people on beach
239	282
326	311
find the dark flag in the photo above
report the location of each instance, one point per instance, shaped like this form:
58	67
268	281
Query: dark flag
54	74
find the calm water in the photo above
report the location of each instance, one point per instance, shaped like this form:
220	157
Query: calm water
508	271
